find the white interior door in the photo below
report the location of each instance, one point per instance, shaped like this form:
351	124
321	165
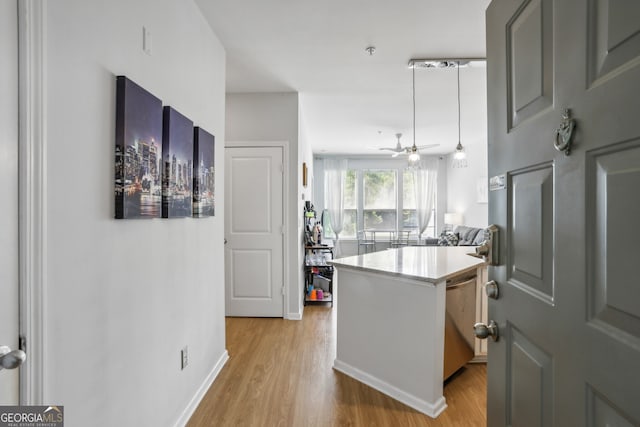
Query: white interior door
254	258
569	307
9	379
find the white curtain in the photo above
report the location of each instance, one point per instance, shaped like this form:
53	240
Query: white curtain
425	178
335	173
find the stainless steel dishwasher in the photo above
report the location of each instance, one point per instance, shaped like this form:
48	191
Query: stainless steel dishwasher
459	319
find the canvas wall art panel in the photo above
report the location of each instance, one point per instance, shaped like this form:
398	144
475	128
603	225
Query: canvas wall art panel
177	170
204	173
138	151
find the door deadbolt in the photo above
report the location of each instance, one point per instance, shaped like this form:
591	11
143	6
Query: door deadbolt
491	289
483	331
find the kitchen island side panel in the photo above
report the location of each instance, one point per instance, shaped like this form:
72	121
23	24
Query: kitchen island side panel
392	329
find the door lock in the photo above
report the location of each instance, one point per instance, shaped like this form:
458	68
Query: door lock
491	289
489	248
482	330
11	359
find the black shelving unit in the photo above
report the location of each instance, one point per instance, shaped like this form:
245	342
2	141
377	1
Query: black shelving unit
316	270
313	268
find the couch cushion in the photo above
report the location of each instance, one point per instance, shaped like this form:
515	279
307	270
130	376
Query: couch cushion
450	239
480	238
467	234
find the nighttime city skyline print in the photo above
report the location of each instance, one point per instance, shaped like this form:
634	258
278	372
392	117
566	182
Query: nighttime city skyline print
203	173
177	172
138	151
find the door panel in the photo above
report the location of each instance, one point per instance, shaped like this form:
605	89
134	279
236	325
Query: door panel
603	414
614	35
529	35
242	278
569	347
530	219
9	194
530	385
614	174
254	254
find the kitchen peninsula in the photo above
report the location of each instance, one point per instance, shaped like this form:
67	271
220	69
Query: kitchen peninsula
391	309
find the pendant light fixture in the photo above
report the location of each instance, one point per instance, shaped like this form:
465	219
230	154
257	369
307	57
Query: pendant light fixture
414	156
459	156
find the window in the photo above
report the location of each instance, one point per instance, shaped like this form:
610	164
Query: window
380	202
378	197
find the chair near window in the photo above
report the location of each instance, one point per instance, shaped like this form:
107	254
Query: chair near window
401	239
366	242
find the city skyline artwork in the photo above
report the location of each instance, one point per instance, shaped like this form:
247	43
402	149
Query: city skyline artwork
138	151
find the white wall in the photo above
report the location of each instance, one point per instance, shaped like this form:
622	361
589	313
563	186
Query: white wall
274	117
462	195
124	296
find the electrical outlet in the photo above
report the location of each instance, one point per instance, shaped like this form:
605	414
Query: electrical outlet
184	357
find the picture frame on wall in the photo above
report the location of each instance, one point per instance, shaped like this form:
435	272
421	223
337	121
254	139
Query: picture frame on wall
138	151
204	179
304	174
177	165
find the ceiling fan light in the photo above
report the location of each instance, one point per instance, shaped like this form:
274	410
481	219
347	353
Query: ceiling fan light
460	153
414	159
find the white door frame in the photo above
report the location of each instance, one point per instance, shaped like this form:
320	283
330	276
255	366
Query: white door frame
285	217
32	170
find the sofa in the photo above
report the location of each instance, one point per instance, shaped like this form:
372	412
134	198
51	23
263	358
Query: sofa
462	235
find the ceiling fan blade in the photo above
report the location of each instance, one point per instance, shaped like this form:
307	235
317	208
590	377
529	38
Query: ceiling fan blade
419	147
396	154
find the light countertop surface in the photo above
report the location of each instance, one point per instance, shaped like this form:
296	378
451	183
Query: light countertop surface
426	263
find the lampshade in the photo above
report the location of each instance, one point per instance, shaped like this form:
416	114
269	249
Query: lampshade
453	218
459	154
414	159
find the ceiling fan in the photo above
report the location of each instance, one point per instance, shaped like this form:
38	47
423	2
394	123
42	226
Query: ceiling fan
399	149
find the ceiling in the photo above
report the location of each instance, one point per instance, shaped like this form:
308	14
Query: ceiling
351	101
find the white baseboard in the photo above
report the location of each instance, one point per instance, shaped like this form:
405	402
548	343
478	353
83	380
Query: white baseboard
293	316
432	409
197	398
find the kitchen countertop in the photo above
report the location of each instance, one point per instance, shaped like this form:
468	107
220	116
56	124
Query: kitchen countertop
426	263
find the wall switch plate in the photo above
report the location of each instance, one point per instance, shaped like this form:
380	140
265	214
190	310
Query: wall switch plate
184	357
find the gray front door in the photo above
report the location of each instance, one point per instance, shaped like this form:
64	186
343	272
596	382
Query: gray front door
9	288
569	306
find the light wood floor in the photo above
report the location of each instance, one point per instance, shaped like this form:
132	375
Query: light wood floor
280	374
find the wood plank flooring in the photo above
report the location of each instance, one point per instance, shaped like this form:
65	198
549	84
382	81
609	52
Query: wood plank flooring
280	374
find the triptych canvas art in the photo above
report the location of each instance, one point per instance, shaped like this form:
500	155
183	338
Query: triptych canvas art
164	166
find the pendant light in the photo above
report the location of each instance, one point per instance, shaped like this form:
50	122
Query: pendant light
414	156
459	156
